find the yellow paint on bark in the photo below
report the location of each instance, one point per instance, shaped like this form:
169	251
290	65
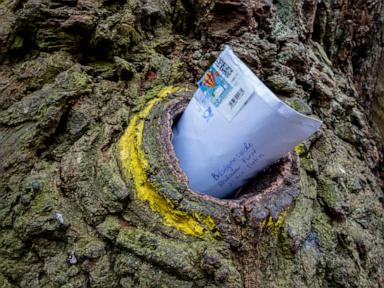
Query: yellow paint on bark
136	166
274	225
299	149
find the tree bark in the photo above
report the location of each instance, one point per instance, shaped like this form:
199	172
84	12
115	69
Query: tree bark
91	191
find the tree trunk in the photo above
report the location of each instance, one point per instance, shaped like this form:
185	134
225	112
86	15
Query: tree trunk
91	191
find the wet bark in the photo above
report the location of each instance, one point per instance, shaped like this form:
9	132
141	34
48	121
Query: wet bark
91	191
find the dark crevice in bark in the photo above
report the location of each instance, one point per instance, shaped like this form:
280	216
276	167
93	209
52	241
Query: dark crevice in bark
319	24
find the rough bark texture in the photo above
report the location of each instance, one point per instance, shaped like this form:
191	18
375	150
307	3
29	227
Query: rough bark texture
91	192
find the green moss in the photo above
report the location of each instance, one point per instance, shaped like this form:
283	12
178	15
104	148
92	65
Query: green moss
18	42
57	269
328	192
131	33
10	244
19	269
322	225
124	69
105	70
44	201
109	228
90	248
81	80
176	255
299	220
309	164
132	4
4	283
306	161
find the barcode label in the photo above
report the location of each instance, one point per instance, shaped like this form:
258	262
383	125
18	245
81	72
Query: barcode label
235	99
222	89
223	67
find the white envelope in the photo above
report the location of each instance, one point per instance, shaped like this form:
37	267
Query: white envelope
233	128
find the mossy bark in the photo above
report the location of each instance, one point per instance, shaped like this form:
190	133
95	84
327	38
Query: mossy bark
77	76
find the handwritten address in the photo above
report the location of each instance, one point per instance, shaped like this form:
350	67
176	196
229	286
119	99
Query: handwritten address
234	169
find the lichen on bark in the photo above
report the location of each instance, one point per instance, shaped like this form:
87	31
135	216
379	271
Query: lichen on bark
74	76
